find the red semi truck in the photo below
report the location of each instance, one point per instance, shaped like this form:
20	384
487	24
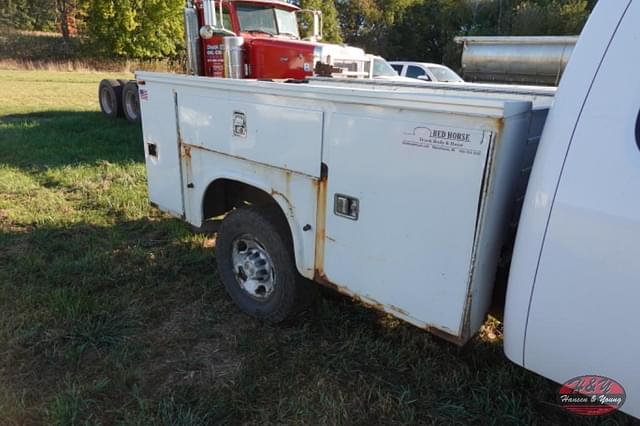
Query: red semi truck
257	39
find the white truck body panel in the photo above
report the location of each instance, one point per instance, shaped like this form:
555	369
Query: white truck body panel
299	132
575	279
295	194
164	169
418	237
540	96
435	175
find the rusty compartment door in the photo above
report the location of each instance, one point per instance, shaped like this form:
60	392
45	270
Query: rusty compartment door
416	185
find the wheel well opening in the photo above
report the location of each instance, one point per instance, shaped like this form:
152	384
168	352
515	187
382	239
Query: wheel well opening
224	195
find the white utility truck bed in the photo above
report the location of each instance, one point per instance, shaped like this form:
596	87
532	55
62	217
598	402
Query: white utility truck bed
399	197
407	196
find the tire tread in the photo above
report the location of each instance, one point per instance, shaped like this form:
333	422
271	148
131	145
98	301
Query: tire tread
269	222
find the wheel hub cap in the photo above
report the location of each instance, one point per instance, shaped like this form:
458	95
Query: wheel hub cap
133	108
253	268
107	100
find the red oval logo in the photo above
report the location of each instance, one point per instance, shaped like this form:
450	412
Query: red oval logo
591	395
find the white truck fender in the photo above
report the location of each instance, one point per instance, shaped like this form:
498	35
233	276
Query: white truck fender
554	145
304	259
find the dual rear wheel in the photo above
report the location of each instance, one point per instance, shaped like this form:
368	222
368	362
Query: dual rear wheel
119	98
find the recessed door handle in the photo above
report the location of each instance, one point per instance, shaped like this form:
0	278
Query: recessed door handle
346	206
638	130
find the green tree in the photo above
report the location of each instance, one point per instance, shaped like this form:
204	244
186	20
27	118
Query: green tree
426	31
367	23
13	13
490	17
140	29
43	14
549	17
330	26
66	11
39	15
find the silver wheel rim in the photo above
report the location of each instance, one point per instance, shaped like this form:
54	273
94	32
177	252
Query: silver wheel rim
253	268
132	105
106	100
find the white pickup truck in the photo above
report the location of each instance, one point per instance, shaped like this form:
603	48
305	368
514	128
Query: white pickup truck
406	198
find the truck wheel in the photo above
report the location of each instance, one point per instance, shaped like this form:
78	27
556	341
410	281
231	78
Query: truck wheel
110	98
131	102
255	262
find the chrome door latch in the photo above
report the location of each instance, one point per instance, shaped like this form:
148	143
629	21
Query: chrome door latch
346	206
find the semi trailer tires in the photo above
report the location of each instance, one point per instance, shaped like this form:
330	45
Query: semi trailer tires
256	264
131	102
110	98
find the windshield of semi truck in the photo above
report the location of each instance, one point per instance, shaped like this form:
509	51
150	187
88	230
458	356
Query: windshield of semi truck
268	20
445	74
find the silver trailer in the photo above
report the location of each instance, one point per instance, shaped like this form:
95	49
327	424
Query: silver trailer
529	60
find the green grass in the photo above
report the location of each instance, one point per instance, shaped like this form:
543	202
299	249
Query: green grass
111	312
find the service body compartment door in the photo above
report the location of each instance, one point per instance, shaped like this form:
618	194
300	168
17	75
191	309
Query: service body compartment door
271	143
270	133
157	106
417	181
237	125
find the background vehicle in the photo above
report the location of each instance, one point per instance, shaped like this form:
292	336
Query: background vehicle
407	199
426	71
256	39
381	70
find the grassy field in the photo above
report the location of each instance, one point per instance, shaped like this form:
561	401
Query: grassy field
111	312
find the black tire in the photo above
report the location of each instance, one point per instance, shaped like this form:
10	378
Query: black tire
131	102
290	293
110	98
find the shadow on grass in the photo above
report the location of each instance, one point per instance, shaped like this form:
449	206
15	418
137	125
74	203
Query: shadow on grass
57	138
133	329
86	302
145	251
126	324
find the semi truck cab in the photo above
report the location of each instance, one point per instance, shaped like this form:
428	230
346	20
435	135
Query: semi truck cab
269	40
254	39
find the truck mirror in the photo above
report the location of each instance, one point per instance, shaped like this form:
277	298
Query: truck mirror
211	25
208	31
317	24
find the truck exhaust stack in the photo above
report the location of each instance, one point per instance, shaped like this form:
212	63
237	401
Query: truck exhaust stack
234	63
192	41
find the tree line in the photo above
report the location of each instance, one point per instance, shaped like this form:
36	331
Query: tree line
396	29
